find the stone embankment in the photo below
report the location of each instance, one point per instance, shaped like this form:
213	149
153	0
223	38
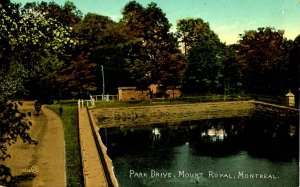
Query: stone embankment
97	167
110	117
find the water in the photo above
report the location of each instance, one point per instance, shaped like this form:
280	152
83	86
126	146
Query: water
220	152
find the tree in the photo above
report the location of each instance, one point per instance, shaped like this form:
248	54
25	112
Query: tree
232	71
263	57
66	14
28	40
13	125
79	77
3	2
102	39
293	81
150	59
204	70
43	84
12	83
190	31
206	55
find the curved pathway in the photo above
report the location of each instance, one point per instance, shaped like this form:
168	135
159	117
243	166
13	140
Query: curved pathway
42	164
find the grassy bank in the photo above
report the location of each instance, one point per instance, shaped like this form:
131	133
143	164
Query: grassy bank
113	104
122	116
72	145
154	102
194	99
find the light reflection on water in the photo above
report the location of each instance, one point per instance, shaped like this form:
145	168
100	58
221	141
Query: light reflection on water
228	152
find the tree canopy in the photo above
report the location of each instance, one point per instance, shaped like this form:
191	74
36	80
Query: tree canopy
32	44
205	53
42	40
190	31
67	14
157	50
263	55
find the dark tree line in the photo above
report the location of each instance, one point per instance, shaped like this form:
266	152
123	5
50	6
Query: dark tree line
50	51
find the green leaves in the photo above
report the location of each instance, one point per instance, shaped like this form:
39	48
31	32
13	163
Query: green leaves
32	30
156	58
204	70
13	125
191	31
29	38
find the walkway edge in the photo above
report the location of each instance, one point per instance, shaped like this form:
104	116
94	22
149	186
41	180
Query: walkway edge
107	160
92	169
96	165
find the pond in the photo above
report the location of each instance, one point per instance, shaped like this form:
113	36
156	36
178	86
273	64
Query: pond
243	151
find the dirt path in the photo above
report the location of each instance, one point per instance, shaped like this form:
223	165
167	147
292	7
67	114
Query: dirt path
42	164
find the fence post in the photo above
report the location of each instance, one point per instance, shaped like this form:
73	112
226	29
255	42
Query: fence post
92	100
82	104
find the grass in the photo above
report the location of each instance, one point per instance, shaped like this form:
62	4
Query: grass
72	144
182	100
111	104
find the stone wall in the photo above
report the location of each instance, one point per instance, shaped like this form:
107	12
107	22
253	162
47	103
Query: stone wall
176	92
131	94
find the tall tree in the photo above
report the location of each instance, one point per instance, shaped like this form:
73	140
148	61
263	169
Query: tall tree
151	58
67	14
100	38
13	123
204	70
190	31
28	40
206	56
232	71
293	81
79	77
263	57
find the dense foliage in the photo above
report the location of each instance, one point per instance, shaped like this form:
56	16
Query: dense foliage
263	56
48	51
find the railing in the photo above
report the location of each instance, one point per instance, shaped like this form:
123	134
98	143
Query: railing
263	98
105	97
213	98
89	103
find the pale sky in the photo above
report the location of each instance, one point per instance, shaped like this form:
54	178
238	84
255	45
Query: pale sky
228	18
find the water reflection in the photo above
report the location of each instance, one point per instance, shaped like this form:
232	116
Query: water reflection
156	134
228	145
214	134
210	137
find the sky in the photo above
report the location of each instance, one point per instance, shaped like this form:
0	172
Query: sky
228	18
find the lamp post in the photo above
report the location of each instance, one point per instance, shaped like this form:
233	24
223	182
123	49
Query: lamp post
103	83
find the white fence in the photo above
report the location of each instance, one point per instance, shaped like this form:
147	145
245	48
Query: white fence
105	97
91	102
